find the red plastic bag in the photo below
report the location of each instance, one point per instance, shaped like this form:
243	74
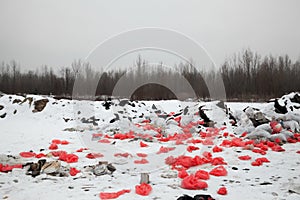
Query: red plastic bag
27	154
143	161
201	174
142	144
245	157
222	191
69	158
165	149
40	155
218	161
7	168
218	171
192	148
64	142
217	149
193	183
106	141
143	189
112	195
142	155
53	146
125	155
56	141
58	153
74	171
182	173
94	155
81	149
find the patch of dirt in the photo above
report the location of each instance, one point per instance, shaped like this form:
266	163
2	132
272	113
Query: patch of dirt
39	105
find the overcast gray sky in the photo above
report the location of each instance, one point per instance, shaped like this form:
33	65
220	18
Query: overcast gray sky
36	32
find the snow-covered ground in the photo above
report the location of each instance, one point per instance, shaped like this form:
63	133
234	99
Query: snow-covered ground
121	126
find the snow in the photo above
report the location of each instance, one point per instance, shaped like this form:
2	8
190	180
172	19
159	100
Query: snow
28	131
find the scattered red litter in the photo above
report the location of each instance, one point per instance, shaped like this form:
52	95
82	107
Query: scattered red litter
64	142
94	155
106	141
165	149
201	174
56	141
256	163
143	161
74	171
112	195
262	152
82	149
143	189
27	154
225	134
53	146
146	121
192	148
125	155
58	153
218	161
244	134
142	155
263	159
182	173
245	157
8	168
142	144
191	182
208	141
277	140
121	136
69	158
222	191
170	160
194	141
217	149
298	151
218	171
277	148
40	155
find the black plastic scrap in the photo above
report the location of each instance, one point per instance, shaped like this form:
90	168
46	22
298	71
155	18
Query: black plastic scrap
196	197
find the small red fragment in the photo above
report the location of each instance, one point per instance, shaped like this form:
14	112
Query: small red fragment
112	195
74	171
94	155
27	154
143	189
143	161
165	149
192	148
201	174
142	155
142	144
217	149
53	146
245	157
222	191
218	171
182	173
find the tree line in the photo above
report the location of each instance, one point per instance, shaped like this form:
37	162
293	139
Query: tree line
246	76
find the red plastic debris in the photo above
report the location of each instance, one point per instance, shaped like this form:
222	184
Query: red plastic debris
142	144
112	195
245	157
218	161
142	161
225	134
298	152
64	142
143	189
74	171
201	174
191	182
81	149
208	141
262	152
222	191
53	146
106	141
142	155
165	149
217	149
58	153
40	155
56	141
27	154
121	136
8	168
94	155
125	155
277	148
244	134
218	171
192	148
170	160
182	173
69	158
